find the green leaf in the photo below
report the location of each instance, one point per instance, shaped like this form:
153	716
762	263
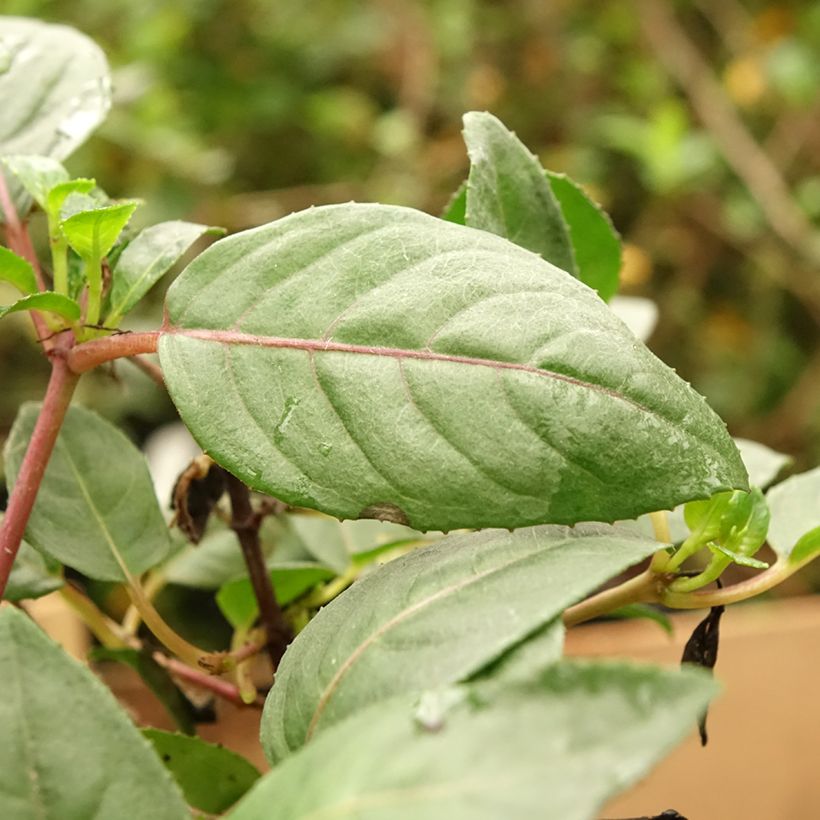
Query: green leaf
595	242
37	174
96	510
375	362
739	557
79	189
762	463
238	603
69	750
456	209
32	575
212	778
508	193
156	678
412	624
55	90
93	233
47	301
646	611
554	748
148	256
794	506
17	271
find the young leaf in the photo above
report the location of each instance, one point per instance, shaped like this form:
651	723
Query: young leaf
148	256
212	778
55	90
96	510
237	600
646	611
375	362
434	617
508	193
79	189
37	174
554	748
595	242
68	749
17	271
93	233
32	575
49	302
794	506
702	650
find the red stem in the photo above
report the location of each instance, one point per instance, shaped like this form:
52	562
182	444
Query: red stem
58	396
88	355
219	687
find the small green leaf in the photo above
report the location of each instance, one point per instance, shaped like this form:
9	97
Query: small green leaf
92	234
646	611
211	777
55	90
238	603
156	678
739	557
47	301
32	574
69	750
705	518
17	271
148	256
508	193
456	208
595	242
555	748
794	506
762	463
77	188
421	613
96	510
37	174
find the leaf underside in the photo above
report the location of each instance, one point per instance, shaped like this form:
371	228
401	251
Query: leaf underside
371	361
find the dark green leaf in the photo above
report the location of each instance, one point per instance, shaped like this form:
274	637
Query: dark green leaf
55	89
17	271
595	242
212	778
374	362
508	193
93	233
433	617
147	257
554	748
794	506
96	510
49	302
69	750
157	679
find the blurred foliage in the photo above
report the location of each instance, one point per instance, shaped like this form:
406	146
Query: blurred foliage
236	113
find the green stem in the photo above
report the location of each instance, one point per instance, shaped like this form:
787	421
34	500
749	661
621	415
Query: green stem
93	272
106	631
712	572
59	264
644	588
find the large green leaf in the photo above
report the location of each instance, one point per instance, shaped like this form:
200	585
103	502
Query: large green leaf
794	507
554	748
145	260
55	87
96	510
69	750
374	362
509	194
211	777
434	617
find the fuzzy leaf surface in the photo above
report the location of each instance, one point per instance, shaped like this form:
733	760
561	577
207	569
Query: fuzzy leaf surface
374	362
48	301
555	748
17	271
69	750
32	574
433	617
55	88
794	507
96	510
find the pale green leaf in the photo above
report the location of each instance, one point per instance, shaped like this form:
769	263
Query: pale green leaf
148	256
32	574
211	777
55	90
762	463
374	362
433	617
47	301
17	271
93	233
508	193
96	510
69	750
794	507
554	748
37	174
595	242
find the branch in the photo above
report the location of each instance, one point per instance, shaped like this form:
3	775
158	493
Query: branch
88	355
224	689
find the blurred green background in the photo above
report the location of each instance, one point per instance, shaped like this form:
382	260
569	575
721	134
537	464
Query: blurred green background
696	124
